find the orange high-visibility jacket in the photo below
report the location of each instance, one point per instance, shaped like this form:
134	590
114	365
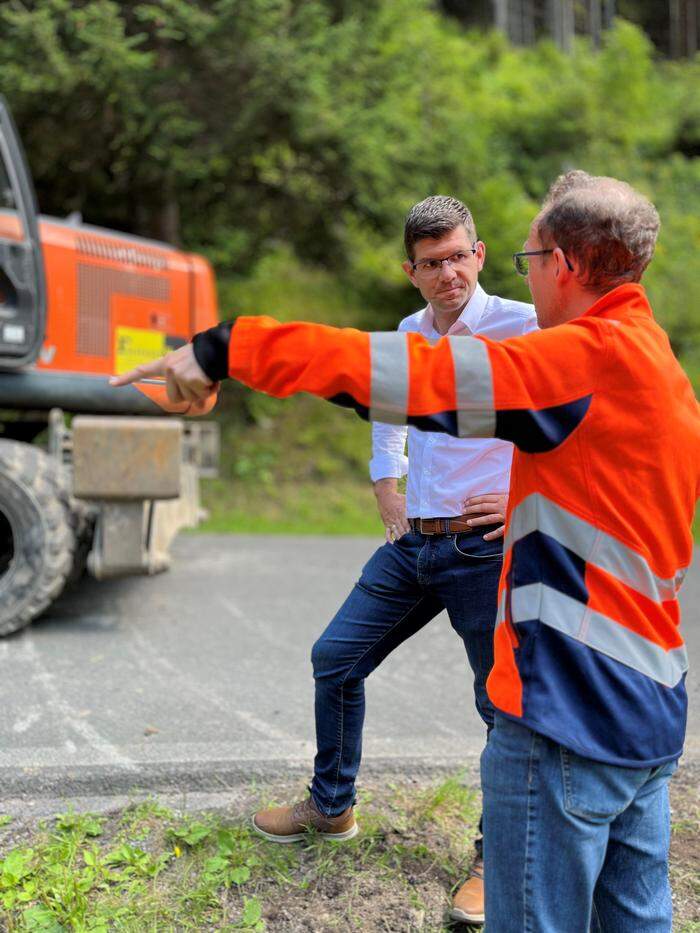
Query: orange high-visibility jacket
606	474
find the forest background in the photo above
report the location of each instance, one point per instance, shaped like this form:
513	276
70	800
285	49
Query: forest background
286	141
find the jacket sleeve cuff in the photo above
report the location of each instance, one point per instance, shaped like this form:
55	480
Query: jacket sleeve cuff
211	350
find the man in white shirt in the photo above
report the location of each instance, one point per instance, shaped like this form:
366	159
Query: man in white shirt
444	540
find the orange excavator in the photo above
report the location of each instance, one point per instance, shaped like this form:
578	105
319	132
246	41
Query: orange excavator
90	476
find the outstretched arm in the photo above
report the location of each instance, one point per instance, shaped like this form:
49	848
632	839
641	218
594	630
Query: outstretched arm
532	390
368	372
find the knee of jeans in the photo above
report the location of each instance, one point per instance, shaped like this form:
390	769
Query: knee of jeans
324	659
332	664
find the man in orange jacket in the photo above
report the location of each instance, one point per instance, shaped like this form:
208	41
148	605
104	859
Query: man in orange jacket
589	673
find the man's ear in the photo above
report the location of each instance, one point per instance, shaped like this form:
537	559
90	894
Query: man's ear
480	255
563	269
408	269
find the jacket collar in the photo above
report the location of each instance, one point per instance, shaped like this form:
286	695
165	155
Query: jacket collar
624	299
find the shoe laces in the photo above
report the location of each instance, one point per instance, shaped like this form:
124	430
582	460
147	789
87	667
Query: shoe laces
303	811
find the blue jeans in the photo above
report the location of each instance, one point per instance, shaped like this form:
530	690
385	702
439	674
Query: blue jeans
570	844
402	587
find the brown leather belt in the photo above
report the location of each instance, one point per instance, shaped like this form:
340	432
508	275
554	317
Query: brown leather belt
447	526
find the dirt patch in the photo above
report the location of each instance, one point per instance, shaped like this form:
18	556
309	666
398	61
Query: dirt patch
685	848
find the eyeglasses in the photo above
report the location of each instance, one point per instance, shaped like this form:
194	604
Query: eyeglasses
431	268
522	263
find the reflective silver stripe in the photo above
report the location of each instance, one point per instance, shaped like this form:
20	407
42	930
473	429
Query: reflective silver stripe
389	386
567	615
476	416
501	614
537	513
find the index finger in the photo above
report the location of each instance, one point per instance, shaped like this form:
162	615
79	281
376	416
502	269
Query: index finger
155	368
497	533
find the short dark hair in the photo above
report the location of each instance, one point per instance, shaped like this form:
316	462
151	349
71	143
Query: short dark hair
605	224
435	217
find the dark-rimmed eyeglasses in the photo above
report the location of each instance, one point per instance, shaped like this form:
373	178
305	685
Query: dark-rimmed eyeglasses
433	267
522	262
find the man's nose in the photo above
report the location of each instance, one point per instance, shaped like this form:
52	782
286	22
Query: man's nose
447	273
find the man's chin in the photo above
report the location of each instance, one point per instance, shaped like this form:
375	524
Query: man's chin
448	305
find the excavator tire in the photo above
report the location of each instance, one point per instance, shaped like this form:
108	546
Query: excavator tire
82	518
37	536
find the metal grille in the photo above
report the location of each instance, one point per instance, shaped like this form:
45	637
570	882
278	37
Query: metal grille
96	286
119	251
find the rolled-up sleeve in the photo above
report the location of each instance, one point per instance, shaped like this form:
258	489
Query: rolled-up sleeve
388	451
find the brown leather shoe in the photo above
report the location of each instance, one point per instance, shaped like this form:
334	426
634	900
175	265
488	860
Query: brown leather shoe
468	902
290	824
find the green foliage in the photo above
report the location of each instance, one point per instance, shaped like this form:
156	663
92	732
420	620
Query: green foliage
287	140
71	879
79	824
191	832
261	130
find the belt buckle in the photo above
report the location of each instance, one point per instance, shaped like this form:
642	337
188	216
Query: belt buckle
420	526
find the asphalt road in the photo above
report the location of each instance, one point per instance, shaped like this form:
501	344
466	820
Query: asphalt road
200	678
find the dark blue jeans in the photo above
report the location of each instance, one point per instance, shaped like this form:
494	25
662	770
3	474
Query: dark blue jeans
402	587
571	844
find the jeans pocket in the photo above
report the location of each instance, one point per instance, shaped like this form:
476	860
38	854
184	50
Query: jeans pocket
597	792
472	546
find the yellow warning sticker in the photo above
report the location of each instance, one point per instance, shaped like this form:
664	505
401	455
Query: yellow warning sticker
134	345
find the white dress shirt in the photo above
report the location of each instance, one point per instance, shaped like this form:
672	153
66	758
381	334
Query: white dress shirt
444	470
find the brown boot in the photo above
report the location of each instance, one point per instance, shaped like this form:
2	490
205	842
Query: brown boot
468	902
290	824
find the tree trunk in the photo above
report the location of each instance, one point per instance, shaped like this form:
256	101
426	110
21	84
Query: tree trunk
515	21
594	21
691	27
568	24
553	16
168	221
674	16
609	13
528	22
500	13
560	15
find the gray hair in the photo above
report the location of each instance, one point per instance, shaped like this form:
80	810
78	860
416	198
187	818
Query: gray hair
604	223
435	217
565	183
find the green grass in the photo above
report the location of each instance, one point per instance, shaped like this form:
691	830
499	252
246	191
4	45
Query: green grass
343	508
296	466
149	869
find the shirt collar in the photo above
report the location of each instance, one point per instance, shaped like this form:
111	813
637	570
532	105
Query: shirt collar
468	320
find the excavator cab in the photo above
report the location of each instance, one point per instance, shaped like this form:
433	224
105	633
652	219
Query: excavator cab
22	286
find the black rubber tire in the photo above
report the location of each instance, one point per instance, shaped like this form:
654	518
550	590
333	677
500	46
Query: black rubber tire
83	521
35	503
